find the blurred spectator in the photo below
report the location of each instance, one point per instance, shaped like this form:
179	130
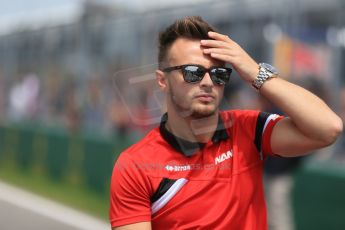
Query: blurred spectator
23	100
72	110
119	119
340	147
93	109
52	100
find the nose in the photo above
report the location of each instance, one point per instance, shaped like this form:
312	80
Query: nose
206	81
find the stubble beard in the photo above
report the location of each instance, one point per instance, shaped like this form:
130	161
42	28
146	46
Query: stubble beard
193	111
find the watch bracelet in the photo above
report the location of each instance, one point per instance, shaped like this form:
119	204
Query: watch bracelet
261	78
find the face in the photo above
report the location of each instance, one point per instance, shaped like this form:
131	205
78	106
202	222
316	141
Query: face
199	99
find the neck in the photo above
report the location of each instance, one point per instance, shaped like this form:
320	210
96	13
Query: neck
190	128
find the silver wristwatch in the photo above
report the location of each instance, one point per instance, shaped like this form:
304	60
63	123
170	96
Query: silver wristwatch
266	71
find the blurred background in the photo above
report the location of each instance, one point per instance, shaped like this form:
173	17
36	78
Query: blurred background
77	87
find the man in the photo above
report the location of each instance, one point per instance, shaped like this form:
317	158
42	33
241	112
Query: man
202	168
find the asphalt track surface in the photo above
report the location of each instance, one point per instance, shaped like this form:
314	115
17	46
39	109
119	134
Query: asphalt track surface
23	210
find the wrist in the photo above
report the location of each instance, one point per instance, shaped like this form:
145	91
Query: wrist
254	73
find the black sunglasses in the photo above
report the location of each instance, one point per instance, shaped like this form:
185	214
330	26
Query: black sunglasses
195	73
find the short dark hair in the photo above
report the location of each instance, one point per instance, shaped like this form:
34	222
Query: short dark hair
193	27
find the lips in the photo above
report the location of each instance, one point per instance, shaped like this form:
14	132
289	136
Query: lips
205	97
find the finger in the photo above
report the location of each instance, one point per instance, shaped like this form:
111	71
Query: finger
218	51
214	43
218	36
222	57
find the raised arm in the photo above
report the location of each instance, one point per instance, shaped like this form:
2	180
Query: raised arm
310	124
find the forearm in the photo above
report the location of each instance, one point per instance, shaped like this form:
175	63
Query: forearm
308	112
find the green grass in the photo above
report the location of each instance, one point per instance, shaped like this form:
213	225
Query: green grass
75	196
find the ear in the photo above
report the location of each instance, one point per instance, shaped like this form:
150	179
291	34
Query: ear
161	80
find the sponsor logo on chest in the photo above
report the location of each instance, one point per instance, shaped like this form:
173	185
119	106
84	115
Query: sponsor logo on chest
223	157
177	168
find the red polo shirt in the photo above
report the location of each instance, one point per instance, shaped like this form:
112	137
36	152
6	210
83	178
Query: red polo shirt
177	184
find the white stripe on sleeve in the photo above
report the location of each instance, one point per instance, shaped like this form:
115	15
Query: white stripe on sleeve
161	202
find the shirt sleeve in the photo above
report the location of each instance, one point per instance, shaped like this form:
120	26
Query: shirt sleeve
263	132
129	193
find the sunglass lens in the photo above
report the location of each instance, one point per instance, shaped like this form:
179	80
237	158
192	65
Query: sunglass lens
193	73
220	75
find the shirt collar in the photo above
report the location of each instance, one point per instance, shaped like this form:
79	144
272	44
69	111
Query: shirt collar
186	147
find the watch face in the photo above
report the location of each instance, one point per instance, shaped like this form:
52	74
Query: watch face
269	68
